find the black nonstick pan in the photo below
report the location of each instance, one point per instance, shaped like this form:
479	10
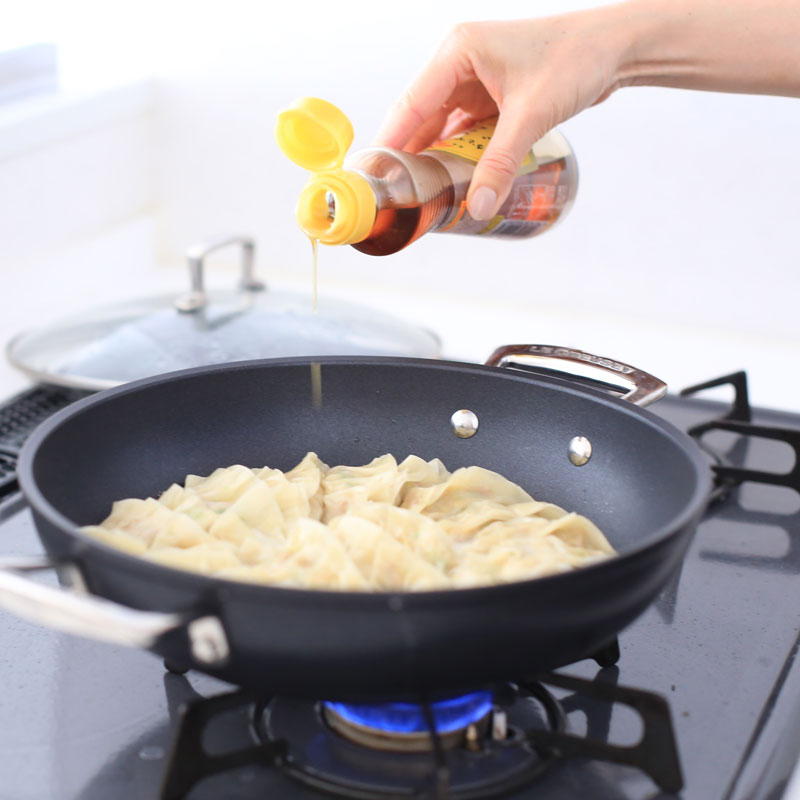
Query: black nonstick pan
644	483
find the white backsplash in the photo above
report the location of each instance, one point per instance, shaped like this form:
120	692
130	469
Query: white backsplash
118	265
679	256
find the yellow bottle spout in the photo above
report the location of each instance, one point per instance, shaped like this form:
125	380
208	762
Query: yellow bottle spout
336	206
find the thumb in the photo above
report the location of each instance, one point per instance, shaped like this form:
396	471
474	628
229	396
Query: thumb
491	182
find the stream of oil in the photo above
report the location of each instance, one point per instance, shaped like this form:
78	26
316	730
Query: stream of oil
314	246
316	367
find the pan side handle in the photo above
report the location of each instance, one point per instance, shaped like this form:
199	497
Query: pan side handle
77	612
641	387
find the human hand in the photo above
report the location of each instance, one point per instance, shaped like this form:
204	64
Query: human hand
533	73
537	73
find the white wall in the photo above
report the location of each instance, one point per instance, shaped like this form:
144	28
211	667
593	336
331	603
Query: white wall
680	254
683	231
686	209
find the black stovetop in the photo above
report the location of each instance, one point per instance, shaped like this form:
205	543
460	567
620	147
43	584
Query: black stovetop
89	721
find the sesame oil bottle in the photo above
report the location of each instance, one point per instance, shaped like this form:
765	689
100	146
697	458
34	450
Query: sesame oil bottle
379	200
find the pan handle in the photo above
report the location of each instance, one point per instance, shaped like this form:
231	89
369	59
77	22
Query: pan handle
196	297
82	614
642	388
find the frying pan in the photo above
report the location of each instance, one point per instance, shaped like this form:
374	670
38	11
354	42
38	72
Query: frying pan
645	484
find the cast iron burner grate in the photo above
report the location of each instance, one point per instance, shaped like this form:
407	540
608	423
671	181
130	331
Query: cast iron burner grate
19	416
527	735
8	473
736	420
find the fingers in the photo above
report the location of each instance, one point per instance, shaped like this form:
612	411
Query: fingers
457	122
428	94
524	70
422	100
468	104
428	132
513	137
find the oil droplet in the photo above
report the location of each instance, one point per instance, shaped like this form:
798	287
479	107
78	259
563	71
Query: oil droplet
316	384
316	367
314	246
151	752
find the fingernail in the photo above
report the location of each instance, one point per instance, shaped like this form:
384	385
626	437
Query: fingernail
482	202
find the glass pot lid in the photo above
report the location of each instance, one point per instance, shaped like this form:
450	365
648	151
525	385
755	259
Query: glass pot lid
105	347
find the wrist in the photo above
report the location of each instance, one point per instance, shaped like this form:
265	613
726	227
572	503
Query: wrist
712	45
654	42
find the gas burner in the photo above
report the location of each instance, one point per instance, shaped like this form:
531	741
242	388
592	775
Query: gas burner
514	737
486	757
405	727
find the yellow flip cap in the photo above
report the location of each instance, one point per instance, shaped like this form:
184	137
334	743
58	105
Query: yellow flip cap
337	206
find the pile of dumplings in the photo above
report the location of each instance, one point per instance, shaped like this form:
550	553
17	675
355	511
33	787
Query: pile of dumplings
382	526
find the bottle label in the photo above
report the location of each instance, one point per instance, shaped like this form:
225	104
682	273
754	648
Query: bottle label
533	205
536	199
471	145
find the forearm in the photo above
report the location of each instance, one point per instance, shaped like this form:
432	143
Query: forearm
748	46
539	72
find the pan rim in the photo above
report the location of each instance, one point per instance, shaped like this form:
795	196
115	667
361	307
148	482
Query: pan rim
394	599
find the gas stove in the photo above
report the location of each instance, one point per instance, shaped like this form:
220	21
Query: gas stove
699	699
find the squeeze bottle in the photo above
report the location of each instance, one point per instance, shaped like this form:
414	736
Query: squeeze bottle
379	200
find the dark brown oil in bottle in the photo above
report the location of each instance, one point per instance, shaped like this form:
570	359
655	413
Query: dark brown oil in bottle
394	228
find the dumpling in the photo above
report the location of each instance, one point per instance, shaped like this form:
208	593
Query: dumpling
387	526
416	532
209	557
223	485
465	486
258	507
343	486
384	562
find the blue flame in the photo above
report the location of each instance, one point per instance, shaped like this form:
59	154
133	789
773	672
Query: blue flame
448	715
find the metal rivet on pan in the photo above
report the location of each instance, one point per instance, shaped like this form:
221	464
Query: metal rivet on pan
580	450
499	725
208	641
465	423
152	752
395	603
473	738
